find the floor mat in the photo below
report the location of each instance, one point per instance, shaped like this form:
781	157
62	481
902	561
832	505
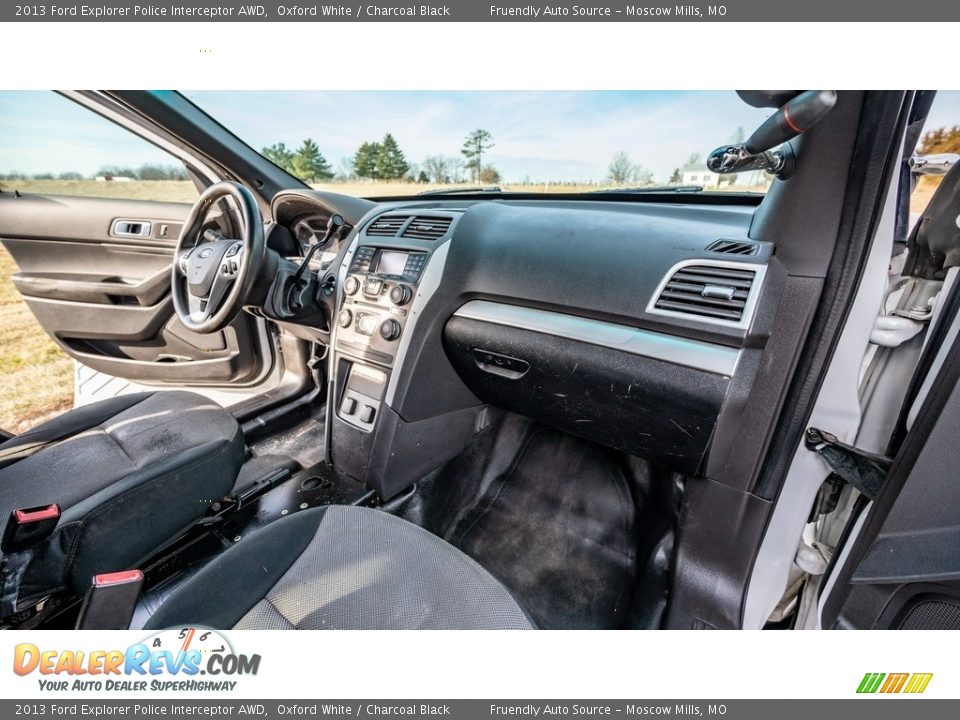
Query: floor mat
557	528
304	442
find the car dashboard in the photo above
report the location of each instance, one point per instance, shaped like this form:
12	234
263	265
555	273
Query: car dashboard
636	325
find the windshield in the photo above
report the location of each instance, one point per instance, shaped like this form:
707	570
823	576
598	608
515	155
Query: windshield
390	143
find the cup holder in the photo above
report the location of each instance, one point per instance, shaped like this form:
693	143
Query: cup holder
317	483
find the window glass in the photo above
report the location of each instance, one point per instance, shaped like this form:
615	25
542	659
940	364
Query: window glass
941	136
402	143
53	146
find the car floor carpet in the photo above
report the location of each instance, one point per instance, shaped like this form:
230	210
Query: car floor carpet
554	520
304	442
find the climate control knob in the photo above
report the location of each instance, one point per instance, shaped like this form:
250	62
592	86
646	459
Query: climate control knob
351	285
344	318
389	329
400	294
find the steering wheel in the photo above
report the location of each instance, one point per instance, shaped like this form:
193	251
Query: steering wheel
212	275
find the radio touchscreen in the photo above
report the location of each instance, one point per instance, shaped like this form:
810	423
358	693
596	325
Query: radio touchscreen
391	263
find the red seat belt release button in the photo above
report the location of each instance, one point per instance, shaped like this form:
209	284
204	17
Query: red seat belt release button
110	601
117	578
28	527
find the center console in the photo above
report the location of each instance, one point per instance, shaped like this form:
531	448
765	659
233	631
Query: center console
378	290
378	293
390	274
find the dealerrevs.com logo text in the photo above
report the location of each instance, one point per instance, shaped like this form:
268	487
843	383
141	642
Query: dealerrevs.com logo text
187	659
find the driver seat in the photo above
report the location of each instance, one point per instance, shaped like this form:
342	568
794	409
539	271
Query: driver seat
128	474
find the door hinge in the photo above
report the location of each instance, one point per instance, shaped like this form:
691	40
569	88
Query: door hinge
864	470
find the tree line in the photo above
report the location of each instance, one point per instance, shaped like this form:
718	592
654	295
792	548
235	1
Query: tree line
383	159
941	140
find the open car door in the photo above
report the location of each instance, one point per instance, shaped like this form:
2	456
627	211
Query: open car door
95	272
899	567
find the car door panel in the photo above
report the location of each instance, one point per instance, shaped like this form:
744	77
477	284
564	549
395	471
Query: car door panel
96	274
94	288
903	569
90	220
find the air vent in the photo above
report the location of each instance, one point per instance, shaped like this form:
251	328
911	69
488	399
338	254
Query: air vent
427	228
386	225
716	292
734	247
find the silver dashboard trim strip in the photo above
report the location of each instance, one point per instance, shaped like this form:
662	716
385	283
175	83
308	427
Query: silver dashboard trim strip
342	273
709	357
429	283
331	405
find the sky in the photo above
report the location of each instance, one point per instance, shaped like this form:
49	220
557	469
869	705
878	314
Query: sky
538	136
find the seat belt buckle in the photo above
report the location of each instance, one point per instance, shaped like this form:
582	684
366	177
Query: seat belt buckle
29	527
110	601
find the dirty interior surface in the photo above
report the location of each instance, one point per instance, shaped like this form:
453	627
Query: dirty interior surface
564	523
292	489
303	441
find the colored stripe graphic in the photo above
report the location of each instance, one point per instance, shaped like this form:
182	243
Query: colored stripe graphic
913	683
894	683
870	682
918	682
